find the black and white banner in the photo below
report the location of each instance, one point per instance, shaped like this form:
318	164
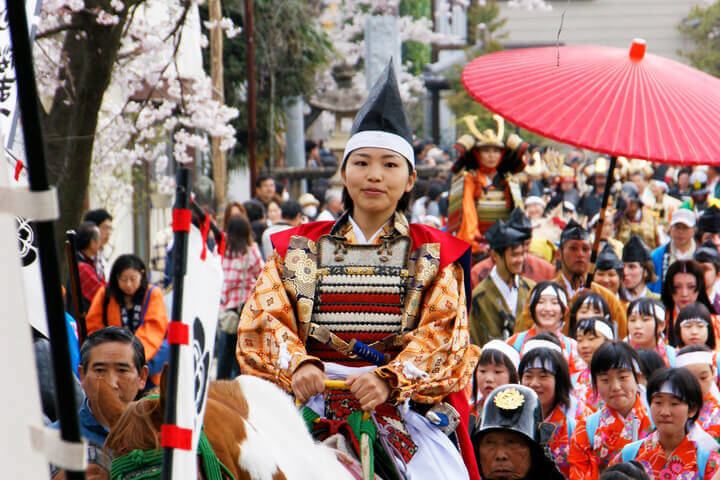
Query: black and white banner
200	307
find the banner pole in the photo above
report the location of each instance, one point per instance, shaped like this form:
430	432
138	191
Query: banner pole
38	180
181	227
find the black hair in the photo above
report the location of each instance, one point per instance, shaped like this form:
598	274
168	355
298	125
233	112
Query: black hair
694	348
290	210
112	334
263	177
560	370
402	206
97	216
239	236
86	233
613	355
646	306
587	325
684	385
632	470
123	263
649	361
695	310
596	301
668	288
255	210
491	356
536	293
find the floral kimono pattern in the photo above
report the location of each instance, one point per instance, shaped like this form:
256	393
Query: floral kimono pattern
583	390
709	418
564	420
588	457
568	345
680	465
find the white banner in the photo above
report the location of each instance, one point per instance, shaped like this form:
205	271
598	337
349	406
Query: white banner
14	153
20	411
200	307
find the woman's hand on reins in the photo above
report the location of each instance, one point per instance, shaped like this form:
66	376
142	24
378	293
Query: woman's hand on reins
369	389
307	381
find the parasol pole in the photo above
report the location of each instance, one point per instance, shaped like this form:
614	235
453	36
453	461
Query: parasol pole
601	220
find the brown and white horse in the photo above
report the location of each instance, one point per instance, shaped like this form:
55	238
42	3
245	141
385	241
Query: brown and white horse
253	426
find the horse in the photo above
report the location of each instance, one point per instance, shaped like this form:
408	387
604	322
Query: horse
254	428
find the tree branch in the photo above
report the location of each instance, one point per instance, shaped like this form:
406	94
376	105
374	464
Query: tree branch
59	29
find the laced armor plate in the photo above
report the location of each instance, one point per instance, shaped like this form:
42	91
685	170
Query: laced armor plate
360	293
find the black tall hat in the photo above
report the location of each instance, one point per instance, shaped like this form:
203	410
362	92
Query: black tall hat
573	231
707	253
659	173
607	259
635	250
381	121
520	222
501	236
709	221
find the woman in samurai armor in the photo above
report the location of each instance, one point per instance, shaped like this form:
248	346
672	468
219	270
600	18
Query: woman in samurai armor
678	449
376	302
480	193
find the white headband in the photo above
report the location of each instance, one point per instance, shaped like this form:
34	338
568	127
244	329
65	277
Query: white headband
533	344
694	358
668	388
693	320
541	364
604	329
555	292
659	311
380	139
505	349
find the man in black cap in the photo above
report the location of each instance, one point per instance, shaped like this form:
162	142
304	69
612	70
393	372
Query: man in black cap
534	267
574	254
638	270
709	226
499	299
508	443
708	257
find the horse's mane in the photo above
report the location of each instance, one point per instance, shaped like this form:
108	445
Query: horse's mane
137	429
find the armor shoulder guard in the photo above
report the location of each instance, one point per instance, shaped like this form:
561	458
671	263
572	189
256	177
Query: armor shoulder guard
312	231
451	248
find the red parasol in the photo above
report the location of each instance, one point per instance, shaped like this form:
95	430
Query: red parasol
604	99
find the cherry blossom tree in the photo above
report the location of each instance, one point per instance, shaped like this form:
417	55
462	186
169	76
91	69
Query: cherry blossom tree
116	94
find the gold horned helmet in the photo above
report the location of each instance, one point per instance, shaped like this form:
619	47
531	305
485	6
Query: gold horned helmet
487	138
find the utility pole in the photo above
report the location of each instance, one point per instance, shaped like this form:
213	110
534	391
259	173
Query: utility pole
251	95
218	94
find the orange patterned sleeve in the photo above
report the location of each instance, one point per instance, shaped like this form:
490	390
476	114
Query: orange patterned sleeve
438	358
268	345
583	463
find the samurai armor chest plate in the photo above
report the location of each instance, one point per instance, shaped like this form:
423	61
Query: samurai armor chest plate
360	292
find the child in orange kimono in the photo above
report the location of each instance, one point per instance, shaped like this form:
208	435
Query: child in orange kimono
544	369
547	306
590	334
623	418
701	363
675	401
645	322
